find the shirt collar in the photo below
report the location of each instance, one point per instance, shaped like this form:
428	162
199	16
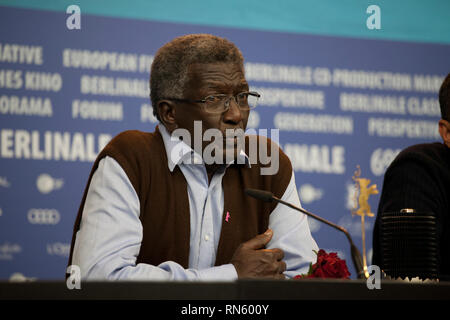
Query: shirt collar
179	152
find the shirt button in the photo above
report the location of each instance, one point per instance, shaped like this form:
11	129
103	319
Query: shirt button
206	237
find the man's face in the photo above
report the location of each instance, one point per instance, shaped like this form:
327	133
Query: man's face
444	131
211	79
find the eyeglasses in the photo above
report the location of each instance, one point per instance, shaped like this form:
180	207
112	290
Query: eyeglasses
220	103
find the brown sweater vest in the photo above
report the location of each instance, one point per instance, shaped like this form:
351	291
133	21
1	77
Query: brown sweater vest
164	202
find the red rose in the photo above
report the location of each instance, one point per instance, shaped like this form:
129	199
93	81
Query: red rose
328	265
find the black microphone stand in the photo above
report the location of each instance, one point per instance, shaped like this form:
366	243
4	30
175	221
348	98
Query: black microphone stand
356	255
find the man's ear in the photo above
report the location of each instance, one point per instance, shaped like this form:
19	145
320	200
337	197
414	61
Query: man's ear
444	131
166	112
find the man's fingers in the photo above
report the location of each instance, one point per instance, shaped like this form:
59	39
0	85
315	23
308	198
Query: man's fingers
276	253
279	267
252	259
280	276
275	268
259	241
282	267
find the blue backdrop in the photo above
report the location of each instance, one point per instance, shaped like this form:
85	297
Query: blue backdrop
338	102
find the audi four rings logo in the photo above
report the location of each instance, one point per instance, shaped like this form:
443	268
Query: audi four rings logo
43	216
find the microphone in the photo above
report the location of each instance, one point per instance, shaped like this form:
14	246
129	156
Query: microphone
409	245
268	196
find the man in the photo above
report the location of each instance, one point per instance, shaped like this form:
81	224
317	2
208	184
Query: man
419	178
155	209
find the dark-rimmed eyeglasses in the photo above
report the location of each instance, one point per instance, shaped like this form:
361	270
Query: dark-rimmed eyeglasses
220	103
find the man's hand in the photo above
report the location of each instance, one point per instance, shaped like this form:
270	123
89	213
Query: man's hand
252	260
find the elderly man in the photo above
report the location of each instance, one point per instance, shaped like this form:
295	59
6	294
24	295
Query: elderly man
155	209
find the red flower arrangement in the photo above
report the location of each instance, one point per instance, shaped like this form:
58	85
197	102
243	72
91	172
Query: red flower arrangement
328	265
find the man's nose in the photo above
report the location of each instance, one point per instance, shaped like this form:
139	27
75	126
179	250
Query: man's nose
233	114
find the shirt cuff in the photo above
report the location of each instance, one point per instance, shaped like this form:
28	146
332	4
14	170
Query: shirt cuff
226	272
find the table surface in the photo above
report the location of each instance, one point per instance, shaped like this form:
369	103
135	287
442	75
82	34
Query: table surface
305	289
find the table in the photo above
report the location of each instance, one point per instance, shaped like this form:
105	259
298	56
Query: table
305	289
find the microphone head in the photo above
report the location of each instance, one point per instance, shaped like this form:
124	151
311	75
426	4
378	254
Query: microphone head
409	245
266	196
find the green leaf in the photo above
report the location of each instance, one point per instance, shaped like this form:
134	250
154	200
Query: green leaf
310	271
